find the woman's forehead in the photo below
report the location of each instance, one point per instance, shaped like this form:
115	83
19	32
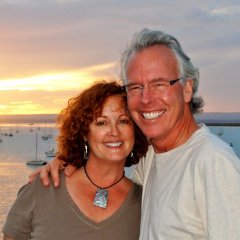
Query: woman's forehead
114	103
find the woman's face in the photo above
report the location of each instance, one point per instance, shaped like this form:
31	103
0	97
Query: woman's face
111	135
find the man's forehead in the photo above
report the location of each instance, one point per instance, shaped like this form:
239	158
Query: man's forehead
157	62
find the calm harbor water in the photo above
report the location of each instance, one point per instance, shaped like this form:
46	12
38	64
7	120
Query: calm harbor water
25	144
16	150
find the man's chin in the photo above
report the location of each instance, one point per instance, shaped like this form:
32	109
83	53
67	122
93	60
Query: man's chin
150	133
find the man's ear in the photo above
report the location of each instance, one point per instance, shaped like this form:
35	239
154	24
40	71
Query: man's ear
188	90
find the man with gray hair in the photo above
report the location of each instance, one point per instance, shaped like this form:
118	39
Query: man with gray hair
190	177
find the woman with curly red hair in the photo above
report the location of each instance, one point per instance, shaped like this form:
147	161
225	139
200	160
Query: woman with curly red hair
98	136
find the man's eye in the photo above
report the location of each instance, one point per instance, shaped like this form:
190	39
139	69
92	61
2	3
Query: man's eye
134	87
160	84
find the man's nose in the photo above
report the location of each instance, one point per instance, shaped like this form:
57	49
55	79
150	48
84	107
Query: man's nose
147	95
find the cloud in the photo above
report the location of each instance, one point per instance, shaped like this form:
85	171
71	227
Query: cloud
234	10
20	107
34	101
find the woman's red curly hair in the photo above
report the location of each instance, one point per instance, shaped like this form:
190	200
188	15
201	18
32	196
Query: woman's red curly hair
74	121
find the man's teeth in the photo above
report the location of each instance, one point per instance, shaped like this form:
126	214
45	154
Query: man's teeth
115	144
152	115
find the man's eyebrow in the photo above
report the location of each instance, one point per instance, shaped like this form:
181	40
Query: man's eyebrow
158	79
150	81
132	84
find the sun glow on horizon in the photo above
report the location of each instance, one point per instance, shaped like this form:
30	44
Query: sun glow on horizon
56	81
48	92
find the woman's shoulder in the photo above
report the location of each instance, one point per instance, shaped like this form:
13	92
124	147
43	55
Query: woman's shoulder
137	190
137	186
38	186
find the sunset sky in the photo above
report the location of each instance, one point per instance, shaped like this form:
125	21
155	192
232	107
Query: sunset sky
51	49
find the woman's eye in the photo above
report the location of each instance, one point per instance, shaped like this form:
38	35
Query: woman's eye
101	123
125	121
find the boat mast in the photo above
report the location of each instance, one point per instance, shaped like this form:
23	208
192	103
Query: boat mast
36	146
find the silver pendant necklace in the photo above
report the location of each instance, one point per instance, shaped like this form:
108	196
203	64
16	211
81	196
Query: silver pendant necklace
101	195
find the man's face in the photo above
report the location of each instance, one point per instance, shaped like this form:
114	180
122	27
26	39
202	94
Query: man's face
156	112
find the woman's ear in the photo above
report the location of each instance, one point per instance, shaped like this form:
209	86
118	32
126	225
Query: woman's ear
188	90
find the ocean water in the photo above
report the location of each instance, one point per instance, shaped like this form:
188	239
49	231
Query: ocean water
230	134
26	144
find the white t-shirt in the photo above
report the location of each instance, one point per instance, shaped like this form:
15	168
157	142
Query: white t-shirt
191	192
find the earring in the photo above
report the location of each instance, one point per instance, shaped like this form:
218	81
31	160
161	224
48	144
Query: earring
133	158
85	151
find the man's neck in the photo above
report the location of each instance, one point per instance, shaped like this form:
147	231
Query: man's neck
178	136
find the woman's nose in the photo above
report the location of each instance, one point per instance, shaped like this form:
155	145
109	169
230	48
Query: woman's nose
114	130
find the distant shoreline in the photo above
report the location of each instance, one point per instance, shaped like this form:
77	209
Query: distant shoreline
29	118
209	118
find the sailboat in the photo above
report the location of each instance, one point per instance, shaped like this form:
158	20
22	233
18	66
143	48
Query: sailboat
45	135
17	129
36	161
10	133
50	153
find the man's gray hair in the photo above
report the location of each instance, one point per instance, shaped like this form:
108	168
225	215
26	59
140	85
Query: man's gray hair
147	38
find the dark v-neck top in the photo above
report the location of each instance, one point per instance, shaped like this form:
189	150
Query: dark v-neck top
49	213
